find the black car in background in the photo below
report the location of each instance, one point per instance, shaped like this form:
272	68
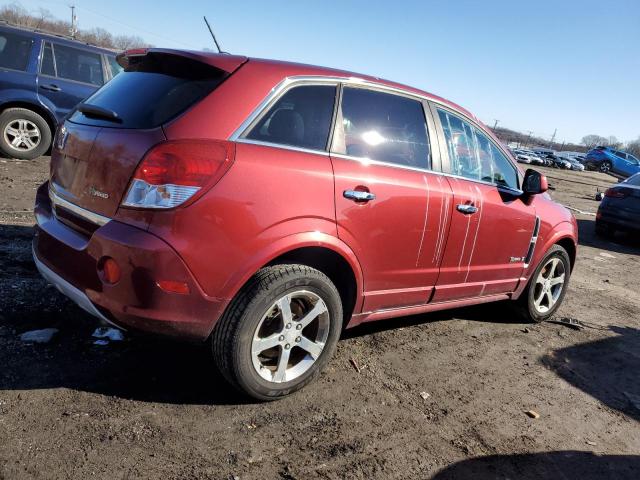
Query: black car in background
42	77
620	208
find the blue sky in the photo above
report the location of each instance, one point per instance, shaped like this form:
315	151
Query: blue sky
537	65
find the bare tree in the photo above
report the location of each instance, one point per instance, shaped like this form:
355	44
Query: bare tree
633	147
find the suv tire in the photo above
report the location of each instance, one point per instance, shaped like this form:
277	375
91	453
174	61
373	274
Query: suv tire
544	294
258	331
29	132
606	166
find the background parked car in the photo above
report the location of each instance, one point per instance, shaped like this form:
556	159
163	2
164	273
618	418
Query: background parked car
620	208
575	164
42	77
607	159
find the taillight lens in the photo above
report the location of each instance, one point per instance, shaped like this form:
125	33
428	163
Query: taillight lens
173	172
616	193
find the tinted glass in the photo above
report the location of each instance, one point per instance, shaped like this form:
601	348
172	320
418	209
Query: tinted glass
152	90
634	180
47	67
473	155
385	127
79	65
14	50
300	118
621	155
113	65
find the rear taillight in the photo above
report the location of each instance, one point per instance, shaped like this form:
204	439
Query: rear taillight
617	193
175	172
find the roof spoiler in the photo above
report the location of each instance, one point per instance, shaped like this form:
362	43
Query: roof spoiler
222	61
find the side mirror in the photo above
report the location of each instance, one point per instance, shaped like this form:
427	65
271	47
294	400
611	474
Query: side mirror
534	183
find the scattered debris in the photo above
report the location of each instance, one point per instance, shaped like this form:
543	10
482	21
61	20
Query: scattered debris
589	442
525	330
355	364
607	255
599	196
109	333
424	395
579	211
39	336
570	322
532	414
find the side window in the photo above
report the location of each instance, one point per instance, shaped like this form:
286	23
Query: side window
300	118
473	155
113	65
14	51
461	146
79	65
622	155
47	66
384	127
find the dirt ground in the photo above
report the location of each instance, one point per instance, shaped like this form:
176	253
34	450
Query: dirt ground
150	408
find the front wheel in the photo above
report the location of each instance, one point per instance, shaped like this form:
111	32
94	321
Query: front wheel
279	332
547	286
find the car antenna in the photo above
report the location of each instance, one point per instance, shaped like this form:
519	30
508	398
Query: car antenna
212	35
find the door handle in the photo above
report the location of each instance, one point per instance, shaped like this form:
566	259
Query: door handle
358	195
467	209
53	88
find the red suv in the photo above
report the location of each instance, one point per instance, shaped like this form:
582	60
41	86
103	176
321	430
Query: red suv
263	206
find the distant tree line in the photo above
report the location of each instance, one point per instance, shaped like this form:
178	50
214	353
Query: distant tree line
44	20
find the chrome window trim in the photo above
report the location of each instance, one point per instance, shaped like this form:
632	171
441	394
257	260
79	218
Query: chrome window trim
88	215
290	81
282	146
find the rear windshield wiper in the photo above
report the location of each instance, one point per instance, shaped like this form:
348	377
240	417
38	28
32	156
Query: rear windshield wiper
94	111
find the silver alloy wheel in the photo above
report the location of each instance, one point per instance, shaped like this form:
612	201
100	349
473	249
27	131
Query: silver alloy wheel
22	135
290	336
549	285
605	166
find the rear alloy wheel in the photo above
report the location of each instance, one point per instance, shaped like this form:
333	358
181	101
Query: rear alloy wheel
605	167
547	286
279	332
23	134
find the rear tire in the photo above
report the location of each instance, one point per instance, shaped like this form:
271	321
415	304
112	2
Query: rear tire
24	134
605	166
267	349
604	230
544	294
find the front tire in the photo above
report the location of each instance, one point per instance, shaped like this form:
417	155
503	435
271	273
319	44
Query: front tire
605	167
547	286
279	332
24	134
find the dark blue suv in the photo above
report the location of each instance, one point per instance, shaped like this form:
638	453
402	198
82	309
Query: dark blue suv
607	159
42	77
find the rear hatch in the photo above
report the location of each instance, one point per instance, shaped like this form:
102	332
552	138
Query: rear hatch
97	151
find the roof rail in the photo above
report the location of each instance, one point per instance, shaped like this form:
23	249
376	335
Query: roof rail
54	34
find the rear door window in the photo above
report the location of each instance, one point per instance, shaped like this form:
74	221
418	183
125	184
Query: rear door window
14	50
300	118
151	91
79	65
384	127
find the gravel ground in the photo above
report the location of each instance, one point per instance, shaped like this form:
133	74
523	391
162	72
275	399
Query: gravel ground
434	396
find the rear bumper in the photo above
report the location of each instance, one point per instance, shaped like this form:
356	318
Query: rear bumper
68	259
619	219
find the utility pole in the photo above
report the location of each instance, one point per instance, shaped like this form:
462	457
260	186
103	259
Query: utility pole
495	124
74	22
553	137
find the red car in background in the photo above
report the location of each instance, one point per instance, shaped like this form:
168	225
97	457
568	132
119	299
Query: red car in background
263	206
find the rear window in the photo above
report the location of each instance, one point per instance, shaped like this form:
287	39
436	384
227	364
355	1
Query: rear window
151	91
14	50
634	180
